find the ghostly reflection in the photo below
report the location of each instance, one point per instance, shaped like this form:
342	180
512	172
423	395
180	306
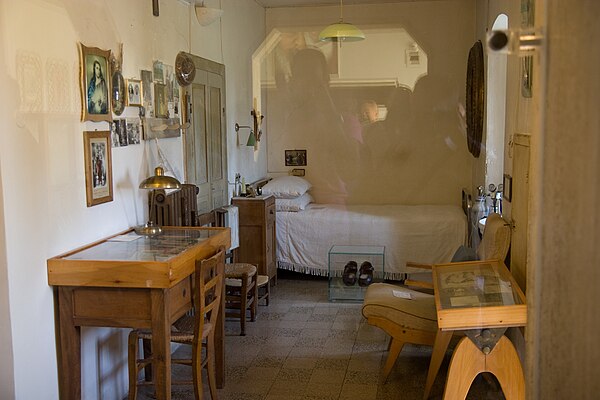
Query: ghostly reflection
349	107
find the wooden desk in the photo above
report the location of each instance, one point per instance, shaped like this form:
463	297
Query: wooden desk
144	283
482	299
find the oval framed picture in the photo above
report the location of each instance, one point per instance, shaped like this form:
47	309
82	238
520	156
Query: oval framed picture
118	93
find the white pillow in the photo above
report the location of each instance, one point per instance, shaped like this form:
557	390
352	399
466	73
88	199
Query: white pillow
293	205
286	187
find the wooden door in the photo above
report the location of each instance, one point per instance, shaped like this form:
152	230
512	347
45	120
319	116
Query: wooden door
519	209
196	142
217	146
206	139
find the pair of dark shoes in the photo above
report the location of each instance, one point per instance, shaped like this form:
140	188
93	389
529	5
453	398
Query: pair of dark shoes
352	274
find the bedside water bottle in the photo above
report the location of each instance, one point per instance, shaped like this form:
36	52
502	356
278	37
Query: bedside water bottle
479	211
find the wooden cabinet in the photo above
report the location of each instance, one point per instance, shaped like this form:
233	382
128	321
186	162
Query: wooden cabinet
257	233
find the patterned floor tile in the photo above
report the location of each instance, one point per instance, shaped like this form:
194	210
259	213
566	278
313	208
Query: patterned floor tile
302	347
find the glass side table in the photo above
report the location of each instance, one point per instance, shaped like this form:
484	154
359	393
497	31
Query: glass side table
339	257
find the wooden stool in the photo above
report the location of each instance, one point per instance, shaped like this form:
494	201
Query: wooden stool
264	288
241	292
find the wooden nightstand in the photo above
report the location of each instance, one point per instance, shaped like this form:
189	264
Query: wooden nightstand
257	233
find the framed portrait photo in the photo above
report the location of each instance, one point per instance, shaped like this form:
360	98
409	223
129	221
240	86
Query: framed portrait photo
98	167
95	84
161	105
134	92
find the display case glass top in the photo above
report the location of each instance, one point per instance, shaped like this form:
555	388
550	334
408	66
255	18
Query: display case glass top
129	260
477	294
133	247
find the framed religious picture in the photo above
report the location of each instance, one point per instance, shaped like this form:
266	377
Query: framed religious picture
161	105
95	83
118	93
98	167
134	92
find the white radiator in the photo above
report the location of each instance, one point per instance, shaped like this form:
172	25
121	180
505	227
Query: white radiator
231	220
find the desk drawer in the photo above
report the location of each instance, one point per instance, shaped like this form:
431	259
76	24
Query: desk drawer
120	307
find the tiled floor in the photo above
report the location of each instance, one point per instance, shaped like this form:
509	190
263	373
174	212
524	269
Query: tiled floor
304	347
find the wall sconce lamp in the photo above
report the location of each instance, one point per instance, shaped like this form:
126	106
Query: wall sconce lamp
251	138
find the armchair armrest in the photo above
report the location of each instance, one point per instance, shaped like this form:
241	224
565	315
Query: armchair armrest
418	265
421	284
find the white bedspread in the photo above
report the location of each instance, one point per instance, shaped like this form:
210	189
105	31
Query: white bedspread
424	234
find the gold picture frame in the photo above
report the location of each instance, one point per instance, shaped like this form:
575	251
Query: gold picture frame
134	92
98	167
95	83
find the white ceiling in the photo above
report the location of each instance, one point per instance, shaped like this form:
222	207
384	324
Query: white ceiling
300	3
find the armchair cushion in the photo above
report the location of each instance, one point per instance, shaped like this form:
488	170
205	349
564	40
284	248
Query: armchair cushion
417	313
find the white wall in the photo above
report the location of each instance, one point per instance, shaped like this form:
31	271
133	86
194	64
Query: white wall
420	154
41	160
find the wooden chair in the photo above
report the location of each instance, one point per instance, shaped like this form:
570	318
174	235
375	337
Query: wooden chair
241	292
241	286
197	330
415	320
264	288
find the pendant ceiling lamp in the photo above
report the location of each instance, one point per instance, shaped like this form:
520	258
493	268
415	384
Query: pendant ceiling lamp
206	15
341	31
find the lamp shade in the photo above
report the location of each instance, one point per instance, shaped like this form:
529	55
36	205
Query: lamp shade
341	31
251	139
160	181
207	16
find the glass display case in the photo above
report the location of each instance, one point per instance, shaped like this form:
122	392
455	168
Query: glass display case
352	269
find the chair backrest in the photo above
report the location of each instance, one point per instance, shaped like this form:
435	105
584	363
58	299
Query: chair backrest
496	239
209	289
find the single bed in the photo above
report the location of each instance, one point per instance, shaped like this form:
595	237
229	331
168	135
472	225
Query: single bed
419	233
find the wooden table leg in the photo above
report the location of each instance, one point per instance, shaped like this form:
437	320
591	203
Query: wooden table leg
442	339
505	364
466	363
161	343
220	344
69	351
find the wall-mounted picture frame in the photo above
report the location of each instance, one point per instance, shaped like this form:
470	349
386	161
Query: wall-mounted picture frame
507	189
295	158
95	83
134	92
158	70
118	93
298	172
98	167
147	91
161	105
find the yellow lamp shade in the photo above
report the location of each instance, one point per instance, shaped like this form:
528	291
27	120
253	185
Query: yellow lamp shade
341	31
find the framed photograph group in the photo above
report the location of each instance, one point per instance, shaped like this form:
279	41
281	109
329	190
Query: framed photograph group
134	92
95	82
98	167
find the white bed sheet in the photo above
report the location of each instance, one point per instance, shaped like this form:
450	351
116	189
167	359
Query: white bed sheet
421	233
